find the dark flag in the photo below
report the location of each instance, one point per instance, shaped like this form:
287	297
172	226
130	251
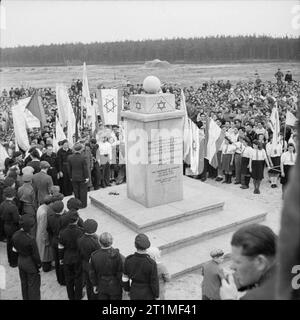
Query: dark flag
35	106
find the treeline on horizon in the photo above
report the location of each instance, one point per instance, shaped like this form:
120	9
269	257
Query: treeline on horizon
179	50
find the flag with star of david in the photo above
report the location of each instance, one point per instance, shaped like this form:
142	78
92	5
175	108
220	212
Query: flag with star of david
110	104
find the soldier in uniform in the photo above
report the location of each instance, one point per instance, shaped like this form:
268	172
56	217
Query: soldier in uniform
29	261
87	244
54	215
70	257
212	276
106	267
10	216
142	271
79	175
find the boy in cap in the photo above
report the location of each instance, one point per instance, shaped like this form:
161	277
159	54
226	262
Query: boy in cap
106	267
54	215
42	183
69	256
142	271
29	261
73	205
9	214
87	244
212	276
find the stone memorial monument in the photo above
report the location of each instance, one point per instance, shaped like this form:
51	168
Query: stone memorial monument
154	142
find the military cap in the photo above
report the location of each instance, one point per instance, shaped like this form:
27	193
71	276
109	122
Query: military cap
17	154
72	216
57	206
74	203
26	222
90	226
27	170
27	177
142	241
8	182
44	165
78	147
9	192
47	199
216	253
106	239
57	197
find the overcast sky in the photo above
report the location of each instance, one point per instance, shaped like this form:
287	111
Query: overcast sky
44	22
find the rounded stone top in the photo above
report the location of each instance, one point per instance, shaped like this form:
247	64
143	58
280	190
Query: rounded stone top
151	84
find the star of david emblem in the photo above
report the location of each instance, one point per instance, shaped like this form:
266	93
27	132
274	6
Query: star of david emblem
109	105
138	105
161	105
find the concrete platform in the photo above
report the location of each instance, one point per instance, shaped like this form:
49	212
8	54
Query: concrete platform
197	202
185	231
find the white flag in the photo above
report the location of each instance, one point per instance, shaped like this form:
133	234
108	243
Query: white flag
86	101
19	123
3	156
290	119
62	101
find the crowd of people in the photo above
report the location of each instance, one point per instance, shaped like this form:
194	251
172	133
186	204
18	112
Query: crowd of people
40	232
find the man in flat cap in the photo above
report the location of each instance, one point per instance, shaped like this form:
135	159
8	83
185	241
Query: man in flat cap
42	183
55	212
69	256
29	261
87	244
9	214
142	271
79	175
106	268
212	276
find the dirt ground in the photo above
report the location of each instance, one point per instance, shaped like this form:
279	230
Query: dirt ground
185	287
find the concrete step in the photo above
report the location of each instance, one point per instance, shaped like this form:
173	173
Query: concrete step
166	216
191	258
172	237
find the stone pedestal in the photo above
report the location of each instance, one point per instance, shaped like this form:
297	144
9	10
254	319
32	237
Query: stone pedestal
154	141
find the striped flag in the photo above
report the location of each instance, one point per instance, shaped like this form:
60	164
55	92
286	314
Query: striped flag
214	137
35	106
197	149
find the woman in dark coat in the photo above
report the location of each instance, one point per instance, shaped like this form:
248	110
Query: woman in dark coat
51	158
62	164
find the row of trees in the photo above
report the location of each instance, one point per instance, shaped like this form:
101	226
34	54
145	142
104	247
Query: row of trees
193	50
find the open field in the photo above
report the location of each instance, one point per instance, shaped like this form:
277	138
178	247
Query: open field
114	76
